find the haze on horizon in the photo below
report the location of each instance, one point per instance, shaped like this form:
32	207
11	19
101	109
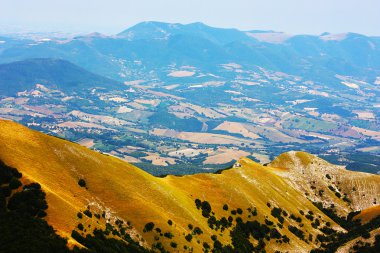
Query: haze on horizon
113	16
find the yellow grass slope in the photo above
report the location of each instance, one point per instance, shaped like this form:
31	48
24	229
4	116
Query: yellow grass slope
130	194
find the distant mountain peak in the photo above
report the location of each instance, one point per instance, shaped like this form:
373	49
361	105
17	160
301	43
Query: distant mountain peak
162	31
148	29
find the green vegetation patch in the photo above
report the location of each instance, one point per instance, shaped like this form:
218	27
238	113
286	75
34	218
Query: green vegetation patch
309	124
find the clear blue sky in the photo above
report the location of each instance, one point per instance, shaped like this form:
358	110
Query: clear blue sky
113	16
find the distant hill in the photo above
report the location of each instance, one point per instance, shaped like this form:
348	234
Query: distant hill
248	208
53	73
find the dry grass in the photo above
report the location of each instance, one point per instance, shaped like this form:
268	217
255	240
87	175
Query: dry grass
99	119
86	142
207	112
373	134
225	155
156	159
237	128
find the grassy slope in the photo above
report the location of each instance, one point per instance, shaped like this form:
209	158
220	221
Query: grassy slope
132	194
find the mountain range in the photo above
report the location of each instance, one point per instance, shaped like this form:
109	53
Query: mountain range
158	44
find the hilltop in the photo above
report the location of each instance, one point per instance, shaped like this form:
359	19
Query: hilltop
55	74
162	212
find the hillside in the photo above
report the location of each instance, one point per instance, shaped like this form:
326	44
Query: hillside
53	73
115	190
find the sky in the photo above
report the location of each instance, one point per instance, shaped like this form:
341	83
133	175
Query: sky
113	16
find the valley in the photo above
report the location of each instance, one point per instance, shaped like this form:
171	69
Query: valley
258	113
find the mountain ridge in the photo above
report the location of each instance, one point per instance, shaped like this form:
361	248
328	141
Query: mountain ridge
127	193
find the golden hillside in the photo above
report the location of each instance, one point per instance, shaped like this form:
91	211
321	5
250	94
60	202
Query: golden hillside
127	193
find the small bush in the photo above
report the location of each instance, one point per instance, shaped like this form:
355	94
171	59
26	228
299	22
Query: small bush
197	231
206	209
297	232
275	234
88	213
189	237
285	239
80	226
268	222
168	235
198	203
82	183
148	227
